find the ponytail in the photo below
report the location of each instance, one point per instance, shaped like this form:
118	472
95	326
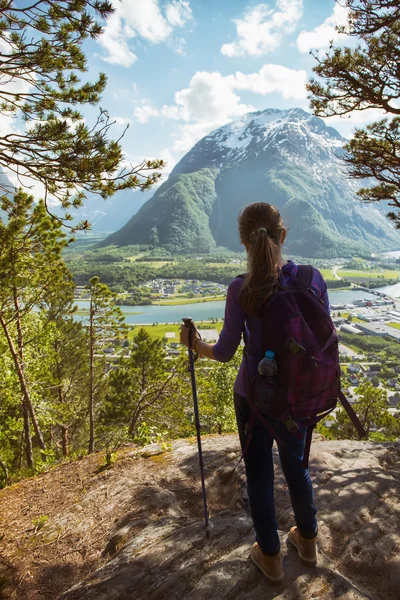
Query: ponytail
260	229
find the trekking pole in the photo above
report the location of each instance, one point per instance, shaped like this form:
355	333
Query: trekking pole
190	325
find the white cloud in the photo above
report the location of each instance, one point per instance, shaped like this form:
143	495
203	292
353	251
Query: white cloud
188	135
178	13
170	112
170	161
210	100
144	113
358	118
273	78
207	103
179	45
121	121
115	41
321	36
140	18
261	30
209	97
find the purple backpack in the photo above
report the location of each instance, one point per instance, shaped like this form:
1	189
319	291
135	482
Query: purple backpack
306	388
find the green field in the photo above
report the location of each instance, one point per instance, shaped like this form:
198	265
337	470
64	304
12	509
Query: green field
177	301
395	325
82	312
327	273
159	331
354	274
155	264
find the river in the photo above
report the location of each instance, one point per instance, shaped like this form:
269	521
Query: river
204	311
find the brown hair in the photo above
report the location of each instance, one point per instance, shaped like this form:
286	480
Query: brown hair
260	229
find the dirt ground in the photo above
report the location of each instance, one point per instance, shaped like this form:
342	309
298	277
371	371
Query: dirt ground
42	550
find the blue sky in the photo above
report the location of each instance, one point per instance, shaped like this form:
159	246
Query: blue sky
177	69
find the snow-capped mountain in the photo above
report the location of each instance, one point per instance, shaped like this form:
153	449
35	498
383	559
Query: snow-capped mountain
286	157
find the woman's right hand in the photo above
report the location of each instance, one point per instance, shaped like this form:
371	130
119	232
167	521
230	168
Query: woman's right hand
184	336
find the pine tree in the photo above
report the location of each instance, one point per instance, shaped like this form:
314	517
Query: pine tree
41	59
144	386
362	77
106	329
65	384
371	407
31	270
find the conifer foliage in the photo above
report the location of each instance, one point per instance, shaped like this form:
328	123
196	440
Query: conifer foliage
362	76
41	68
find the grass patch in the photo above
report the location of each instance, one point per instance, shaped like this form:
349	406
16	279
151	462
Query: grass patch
395	325
159	331
156	264
85	313
355	274
134	257
327	274
155	331
177	301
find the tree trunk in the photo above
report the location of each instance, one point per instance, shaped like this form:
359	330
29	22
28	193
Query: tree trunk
134	419
27	436
22	378
64	440
91	379
132	426
5	470
26	405
21	449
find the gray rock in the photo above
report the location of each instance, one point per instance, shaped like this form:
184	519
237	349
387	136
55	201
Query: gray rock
158	549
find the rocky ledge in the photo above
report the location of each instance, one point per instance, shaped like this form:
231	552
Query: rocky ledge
158	549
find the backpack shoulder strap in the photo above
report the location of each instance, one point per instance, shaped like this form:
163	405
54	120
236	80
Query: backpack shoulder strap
304	276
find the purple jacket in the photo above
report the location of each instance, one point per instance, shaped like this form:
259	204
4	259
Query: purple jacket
236	318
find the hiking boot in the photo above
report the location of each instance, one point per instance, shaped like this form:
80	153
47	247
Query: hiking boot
271	566
306	548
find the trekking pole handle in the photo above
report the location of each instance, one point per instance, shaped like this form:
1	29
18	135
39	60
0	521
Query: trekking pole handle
188	322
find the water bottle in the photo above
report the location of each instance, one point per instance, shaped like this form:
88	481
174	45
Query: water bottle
267	366
264	392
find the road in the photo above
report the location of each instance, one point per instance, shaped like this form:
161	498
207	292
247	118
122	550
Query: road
335	272
347	351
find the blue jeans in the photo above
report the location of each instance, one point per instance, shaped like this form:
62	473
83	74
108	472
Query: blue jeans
260	479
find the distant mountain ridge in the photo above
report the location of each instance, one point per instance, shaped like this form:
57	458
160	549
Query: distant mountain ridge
286	157
106	216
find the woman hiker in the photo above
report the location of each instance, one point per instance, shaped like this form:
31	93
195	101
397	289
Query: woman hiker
262	233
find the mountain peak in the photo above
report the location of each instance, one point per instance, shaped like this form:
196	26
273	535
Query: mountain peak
286	157
283	132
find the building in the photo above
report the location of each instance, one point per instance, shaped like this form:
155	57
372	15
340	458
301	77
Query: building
394	400
360	302
349	329
338	321
353	368
380	329
209	335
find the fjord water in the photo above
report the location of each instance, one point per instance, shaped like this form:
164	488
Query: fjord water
203	311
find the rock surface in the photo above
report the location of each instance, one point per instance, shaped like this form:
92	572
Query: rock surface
157	548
